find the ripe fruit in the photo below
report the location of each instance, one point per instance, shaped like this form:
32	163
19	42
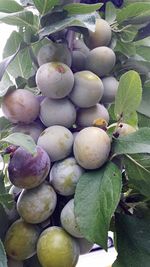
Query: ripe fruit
27	170
79	45
110	89
56	248
20	106
101	60
87	90
33	129
91	147
57	112
54	52
85	245
101	36
68	220
86	116
55	80
20	240
57	141
64	176
78	60
37	204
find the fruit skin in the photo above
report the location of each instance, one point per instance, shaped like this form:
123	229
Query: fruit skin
64	176
87	90
54	52
20	106
78	60
57	141
85	245
13	263
21	240
101	36
68	220
56	248
33	129
79	45
110	89
86	116
27	170
91	147
100	60
125	129
55	80
37	204
57	112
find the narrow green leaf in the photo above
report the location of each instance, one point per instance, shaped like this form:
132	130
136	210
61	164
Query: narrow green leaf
145	103
110	13
7	200
144	52
143	121
128	34
77	8
97	195
138	170
133	10
3	259
5	84
23	140
44	6
129	94
85	20
137	142
137	64
10	6
127	49
133	237
21	19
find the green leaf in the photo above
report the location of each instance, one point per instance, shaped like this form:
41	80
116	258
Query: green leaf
44	6
21	19
143	121
144	52
22	64
5	84
129	94
10	6
145	103
133	63
3	258
7	200
97	195
127	49
4	124
133	237
110	13
137	142
77	8
138	171
86	21
23	140
128	34
133	10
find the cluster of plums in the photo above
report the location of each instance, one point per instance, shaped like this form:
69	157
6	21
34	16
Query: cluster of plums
75	88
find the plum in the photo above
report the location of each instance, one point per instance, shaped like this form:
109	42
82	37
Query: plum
21	240
78	60
91	147
110	89
79	45
124	129
13	263
101	60
55	80
26	170
54	52
87	90
85	245
37	204
57	112
101	36
86	116
56	248
33	129
57	141
64	176
20	106
68	220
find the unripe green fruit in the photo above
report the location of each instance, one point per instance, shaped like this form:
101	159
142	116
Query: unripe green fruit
91	147
110	89
37	204
57	112
64	176
57	141
21	240
101	36
78	60
13	263
68	220
56	248
101	60
86	116
20	106
87	90
55	80
85	245
54	52
125	129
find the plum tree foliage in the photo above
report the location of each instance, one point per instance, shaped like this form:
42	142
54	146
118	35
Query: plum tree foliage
74	134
